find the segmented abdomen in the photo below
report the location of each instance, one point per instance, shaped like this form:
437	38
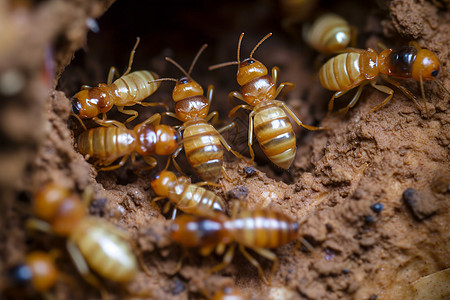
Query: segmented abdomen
106	143
134	87
194	199
203	149
263	228
341	71
104	251
329	33
273	130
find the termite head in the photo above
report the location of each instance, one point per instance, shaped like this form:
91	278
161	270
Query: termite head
160	139
39	272
195	231
162	182
90	102
186	87
57	206
250	69
426	65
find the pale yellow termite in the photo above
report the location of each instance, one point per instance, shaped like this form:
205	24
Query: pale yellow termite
329	33
188	197
127	90
268	117
92	242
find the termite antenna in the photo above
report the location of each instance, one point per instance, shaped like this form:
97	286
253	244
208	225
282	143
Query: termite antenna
260	42
441	86
196	57
239	48
130	61
162	79
225	64
179	67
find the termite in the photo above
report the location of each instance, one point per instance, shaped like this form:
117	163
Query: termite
91	242
128	90
201	141
38	273
108	143
257	230
229	293
186	196
329	33
359	67
272	127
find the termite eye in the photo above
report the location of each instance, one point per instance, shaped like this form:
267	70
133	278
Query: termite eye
21	274
76	106
184	80
246	62
177	137
434	73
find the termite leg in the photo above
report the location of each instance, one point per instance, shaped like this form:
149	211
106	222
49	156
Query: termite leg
227	258
112	72
83	269
113	167
353	101
296	119
154	120
130	62
133	113
270	256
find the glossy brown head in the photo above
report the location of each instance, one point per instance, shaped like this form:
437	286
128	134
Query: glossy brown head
250	68
160	139
43	270
163	182
188	94
59	207
38	271
88	103
426	65
189	100
196	231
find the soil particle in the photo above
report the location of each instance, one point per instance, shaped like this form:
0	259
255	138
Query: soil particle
239	192
422	205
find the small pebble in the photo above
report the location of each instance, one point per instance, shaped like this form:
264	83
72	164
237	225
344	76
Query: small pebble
373	297
240	192
178	287
250	171
422	205
369	219
97	207
377	207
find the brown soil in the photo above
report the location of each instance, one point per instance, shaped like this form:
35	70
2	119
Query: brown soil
395	156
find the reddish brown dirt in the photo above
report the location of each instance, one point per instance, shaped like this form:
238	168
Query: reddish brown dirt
337	175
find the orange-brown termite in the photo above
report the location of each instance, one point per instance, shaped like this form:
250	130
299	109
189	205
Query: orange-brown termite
257	230
128	90
268	118
38	273
108	143
359	67
201	141
186	196
91	242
